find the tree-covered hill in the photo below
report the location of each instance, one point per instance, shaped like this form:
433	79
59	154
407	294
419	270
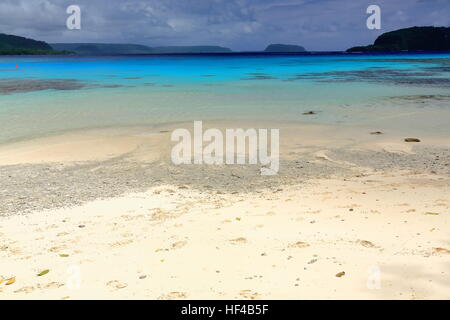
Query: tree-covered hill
410	39
15	45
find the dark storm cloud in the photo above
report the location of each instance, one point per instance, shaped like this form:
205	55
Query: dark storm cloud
239	24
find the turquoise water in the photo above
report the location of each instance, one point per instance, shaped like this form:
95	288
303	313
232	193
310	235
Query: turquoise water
45	95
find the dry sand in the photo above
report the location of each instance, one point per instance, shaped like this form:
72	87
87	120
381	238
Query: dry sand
350	216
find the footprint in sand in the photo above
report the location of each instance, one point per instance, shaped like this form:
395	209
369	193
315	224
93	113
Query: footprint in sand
179	244
116	284
121	243
441	251
127	234
299	244
159	214
240	240
61	234
15	251
28	289
249	294
173	296
58	248
51	285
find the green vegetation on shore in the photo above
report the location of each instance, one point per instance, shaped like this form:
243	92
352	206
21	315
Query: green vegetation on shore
410	39
19	51
15	45
101	48
107	49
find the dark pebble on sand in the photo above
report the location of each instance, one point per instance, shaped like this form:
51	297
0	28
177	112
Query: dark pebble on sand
412	140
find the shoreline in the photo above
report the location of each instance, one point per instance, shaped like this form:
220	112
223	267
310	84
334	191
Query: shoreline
76	167
80	166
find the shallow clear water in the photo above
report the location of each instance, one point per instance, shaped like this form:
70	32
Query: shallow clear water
44	95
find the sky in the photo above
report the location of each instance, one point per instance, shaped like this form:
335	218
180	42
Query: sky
242	25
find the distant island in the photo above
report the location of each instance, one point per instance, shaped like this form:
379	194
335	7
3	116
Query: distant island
107	49
15	45
101	48
410	39
284	48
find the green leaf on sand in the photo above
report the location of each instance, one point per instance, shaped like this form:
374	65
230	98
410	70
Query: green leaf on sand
432	213
63	255
42	273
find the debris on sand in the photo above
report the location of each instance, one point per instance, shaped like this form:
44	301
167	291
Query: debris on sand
441	251
43	273
412	140
432	213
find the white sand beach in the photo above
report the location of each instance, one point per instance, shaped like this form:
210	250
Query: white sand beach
351	216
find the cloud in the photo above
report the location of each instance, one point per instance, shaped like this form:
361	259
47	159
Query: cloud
239	24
